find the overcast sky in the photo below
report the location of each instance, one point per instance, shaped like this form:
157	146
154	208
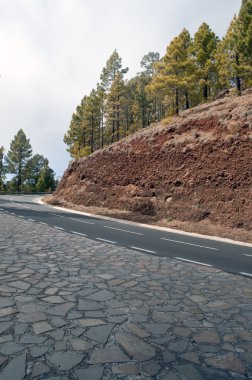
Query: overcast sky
53	51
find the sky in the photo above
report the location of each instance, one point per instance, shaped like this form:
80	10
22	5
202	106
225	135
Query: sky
53	52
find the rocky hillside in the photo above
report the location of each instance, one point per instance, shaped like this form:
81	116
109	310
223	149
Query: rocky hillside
195	170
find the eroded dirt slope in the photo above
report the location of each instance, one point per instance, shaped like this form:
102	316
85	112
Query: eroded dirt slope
197	170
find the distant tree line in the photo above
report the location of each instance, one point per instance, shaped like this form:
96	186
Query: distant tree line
193	71
28	173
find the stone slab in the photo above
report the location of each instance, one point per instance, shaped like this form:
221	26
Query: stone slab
65	361
15	369
136	347
111	354
92	373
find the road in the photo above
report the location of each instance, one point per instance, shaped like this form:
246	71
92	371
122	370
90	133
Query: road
232	258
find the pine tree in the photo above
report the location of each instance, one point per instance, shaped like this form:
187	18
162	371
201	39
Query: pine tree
112	82
148	62
33	169
143	105
101	97
2	168
245	18
91	113
204	48
128	108
149	103
176	72
233	58
111	70
17	157
46	181
115	108
76	136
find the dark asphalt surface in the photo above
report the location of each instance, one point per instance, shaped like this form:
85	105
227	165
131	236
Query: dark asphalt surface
232	258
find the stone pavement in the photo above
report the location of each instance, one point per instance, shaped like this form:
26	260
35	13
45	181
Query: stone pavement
73	308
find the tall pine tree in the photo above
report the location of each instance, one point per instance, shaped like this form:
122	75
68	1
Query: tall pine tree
175	74
234	51
204	48
112	80
17	157
2	168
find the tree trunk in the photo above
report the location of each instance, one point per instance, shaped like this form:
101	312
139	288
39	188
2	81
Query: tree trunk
176	102
118	119
205	90
155	110
127	121
102	127
92	135
19	182
187	100
143	114
238	79
92	140
113	125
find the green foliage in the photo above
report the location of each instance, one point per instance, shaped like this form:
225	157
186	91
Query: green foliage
46	181
84	134
35	168
27	170
17	157
115	108
2	168
234	54
111	70
245	17
175	74
148	62
204	48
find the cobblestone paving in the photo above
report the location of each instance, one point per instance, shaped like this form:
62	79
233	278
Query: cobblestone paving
72	308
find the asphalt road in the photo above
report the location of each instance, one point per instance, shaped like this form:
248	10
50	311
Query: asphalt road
232	258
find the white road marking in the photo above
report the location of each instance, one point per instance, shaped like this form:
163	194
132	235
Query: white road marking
59	216
20	216
106	241
78	233
119	229
31	220
19	204
247	255
82	221
45	224
194	262
246	274
195	245
141	249
59	228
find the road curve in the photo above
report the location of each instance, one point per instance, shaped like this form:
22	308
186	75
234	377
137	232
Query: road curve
232	258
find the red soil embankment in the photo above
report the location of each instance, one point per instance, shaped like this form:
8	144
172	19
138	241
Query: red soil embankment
196	171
